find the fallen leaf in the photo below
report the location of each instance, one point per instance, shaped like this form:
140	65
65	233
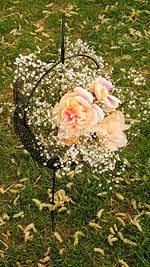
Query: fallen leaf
99	250
39	29
99	214
95	226
123	263
121	221
58	237
37	203
28	236
47	252
15	32
1	110
46	35
29	227
44	260
2	191
15	200
135	222
76	237
69	185
19	214
126	57
50	5
119	196
101	194
61	251
111	239
112	230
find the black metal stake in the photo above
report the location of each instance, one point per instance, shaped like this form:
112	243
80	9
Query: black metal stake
63	40
53	199
54	170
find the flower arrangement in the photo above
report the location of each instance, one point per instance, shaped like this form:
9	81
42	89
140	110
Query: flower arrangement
74	113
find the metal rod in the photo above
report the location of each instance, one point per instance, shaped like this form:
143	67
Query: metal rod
53	199
63	40
53	186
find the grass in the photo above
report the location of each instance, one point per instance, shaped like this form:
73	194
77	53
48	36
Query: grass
108	26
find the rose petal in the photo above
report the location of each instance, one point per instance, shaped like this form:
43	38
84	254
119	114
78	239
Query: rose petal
110	103
99	112
106	83
84	93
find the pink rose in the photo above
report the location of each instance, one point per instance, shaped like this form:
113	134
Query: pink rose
84	93
112	128
75	113
101	87
99	90
106	83
110	103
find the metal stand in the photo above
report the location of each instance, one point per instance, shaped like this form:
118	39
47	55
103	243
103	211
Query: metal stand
21	125
54	170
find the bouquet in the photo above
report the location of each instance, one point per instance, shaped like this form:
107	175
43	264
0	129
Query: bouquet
73	109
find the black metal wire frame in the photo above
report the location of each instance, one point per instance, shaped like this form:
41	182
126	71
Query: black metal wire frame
50	69
21	126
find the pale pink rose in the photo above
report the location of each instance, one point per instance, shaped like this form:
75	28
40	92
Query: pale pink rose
101	87
99	90
112	128
99	111
110	103
106	83
84	93
75	113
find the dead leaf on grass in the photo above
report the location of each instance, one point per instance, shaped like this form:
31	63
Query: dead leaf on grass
76	237
45	259
100	251
126	241
69	185
15	200
2	191
50	5
123	263
111	239
121	221
58	237
119	196
95	226
15	32
28	231
19	214
99	214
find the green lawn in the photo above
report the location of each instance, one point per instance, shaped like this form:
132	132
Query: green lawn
120	32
